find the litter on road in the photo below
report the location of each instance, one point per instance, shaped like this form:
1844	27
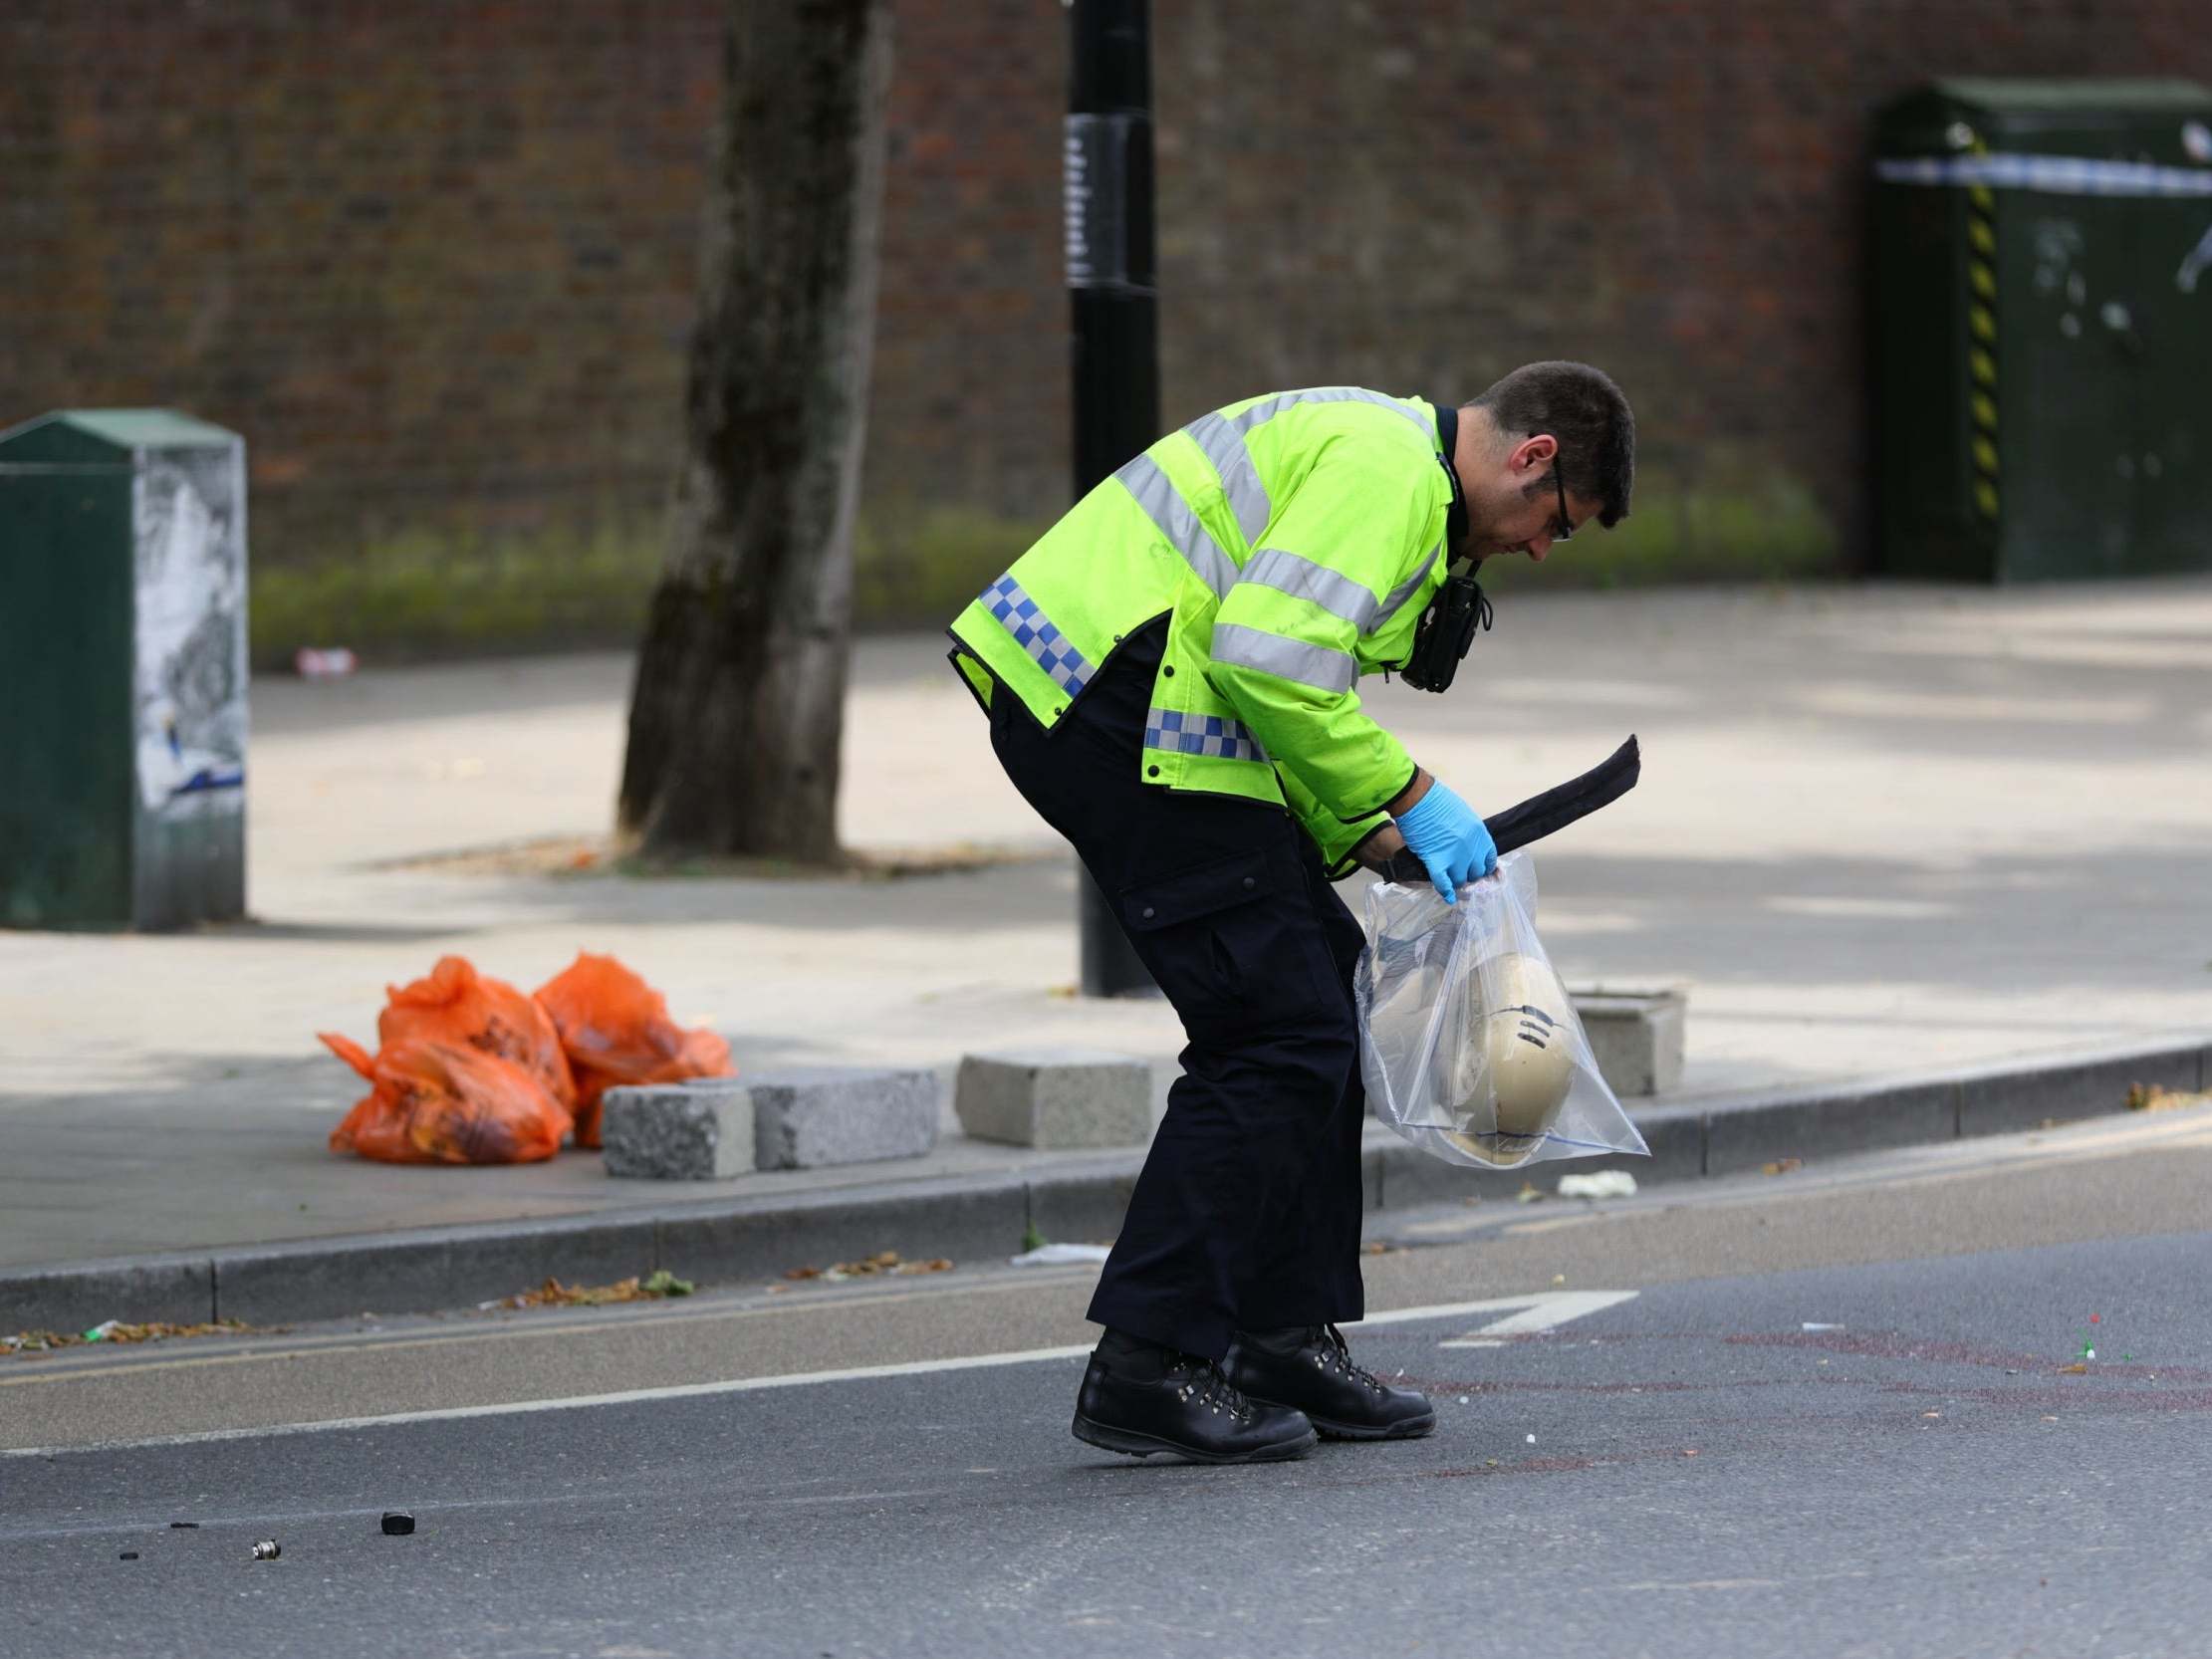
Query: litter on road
1059	1255
883	1262
1606	1183
268	1550
553	1293
116	1331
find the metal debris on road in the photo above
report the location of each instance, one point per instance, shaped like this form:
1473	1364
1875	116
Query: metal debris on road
397	1524
268	1550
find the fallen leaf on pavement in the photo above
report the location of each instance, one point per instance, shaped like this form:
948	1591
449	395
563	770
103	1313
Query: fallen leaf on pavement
2076	1370
2151	1097
554	1294
1782	1166
883	1262
116	1331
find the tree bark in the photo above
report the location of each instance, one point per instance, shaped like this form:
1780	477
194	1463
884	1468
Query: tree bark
737	711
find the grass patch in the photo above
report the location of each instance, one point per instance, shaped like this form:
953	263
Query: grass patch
1761	526
460	590
427	594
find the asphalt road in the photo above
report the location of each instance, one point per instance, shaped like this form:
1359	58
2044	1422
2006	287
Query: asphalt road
1644	1450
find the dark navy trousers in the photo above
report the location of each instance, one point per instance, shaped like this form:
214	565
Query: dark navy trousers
1247	1213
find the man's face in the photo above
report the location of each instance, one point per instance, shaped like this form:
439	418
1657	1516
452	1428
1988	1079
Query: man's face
1516	504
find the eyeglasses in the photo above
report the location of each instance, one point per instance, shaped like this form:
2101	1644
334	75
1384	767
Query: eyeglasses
1563	528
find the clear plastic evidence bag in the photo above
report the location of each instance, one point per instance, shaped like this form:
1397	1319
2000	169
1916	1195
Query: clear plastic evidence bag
1469	1045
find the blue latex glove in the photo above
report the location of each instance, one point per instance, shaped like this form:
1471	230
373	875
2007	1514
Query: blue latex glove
1447	837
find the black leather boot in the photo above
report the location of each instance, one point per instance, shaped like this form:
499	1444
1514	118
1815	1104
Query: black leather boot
1311	1368
1141	1398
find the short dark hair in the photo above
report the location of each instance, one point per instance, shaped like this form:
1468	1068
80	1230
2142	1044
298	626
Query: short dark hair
1582	408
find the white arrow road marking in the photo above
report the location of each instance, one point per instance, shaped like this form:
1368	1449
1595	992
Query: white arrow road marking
1545	1310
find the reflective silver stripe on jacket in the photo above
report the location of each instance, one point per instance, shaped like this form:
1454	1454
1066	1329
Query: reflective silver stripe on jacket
1289	659
1339	596
1222	438
1406	589
1201	733
1268	407
1164	506
1240	478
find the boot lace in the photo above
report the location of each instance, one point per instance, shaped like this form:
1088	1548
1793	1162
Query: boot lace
1334	1354
1203	1384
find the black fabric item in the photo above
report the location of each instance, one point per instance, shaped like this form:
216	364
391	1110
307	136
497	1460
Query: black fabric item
1541	815
1248	1207
1185	1407
1455	517
1311	1369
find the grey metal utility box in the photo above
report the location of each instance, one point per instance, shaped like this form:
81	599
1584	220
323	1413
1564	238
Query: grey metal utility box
123	671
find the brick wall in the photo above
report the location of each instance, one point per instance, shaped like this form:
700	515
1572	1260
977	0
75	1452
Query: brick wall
434	257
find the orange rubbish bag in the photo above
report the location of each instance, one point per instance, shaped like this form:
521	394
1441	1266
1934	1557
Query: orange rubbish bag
616	1030
456	1004
437	1101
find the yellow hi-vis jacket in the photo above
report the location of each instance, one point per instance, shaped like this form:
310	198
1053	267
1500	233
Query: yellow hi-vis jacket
1293	540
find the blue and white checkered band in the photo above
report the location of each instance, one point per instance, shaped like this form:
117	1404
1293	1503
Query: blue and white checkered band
1033	629
1201	734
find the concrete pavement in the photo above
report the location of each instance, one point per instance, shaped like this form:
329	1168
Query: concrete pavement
1883	834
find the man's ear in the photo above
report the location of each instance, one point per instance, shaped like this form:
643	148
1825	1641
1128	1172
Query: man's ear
1534	451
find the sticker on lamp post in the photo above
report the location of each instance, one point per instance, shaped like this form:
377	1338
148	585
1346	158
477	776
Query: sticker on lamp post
1095	200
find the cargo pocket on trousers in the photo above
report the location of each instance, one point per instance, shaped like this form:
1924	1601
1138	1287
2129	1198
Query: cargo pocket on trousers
1233	943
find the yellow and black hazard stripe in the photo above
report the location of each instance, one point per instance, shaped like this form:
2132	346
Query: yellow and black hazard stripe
1981	335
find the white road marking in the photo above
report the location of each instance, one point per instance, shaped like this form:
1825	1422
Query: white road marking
76	1364
1542	1311
1545	1310
677	1391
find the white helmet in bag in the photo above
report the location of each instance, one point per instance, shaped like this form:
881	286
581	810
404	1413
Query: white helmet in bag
1525	1056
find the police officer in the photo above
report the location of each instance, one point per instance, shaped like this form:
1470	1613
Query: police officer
1170	676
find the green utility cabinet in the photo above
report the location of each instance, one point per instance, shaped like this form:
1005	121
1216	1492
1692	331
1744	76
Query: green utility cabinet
123	671
2041	330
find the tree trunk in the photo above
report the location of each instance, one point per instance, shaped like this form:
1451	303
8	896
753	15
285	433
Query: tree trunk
738	708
